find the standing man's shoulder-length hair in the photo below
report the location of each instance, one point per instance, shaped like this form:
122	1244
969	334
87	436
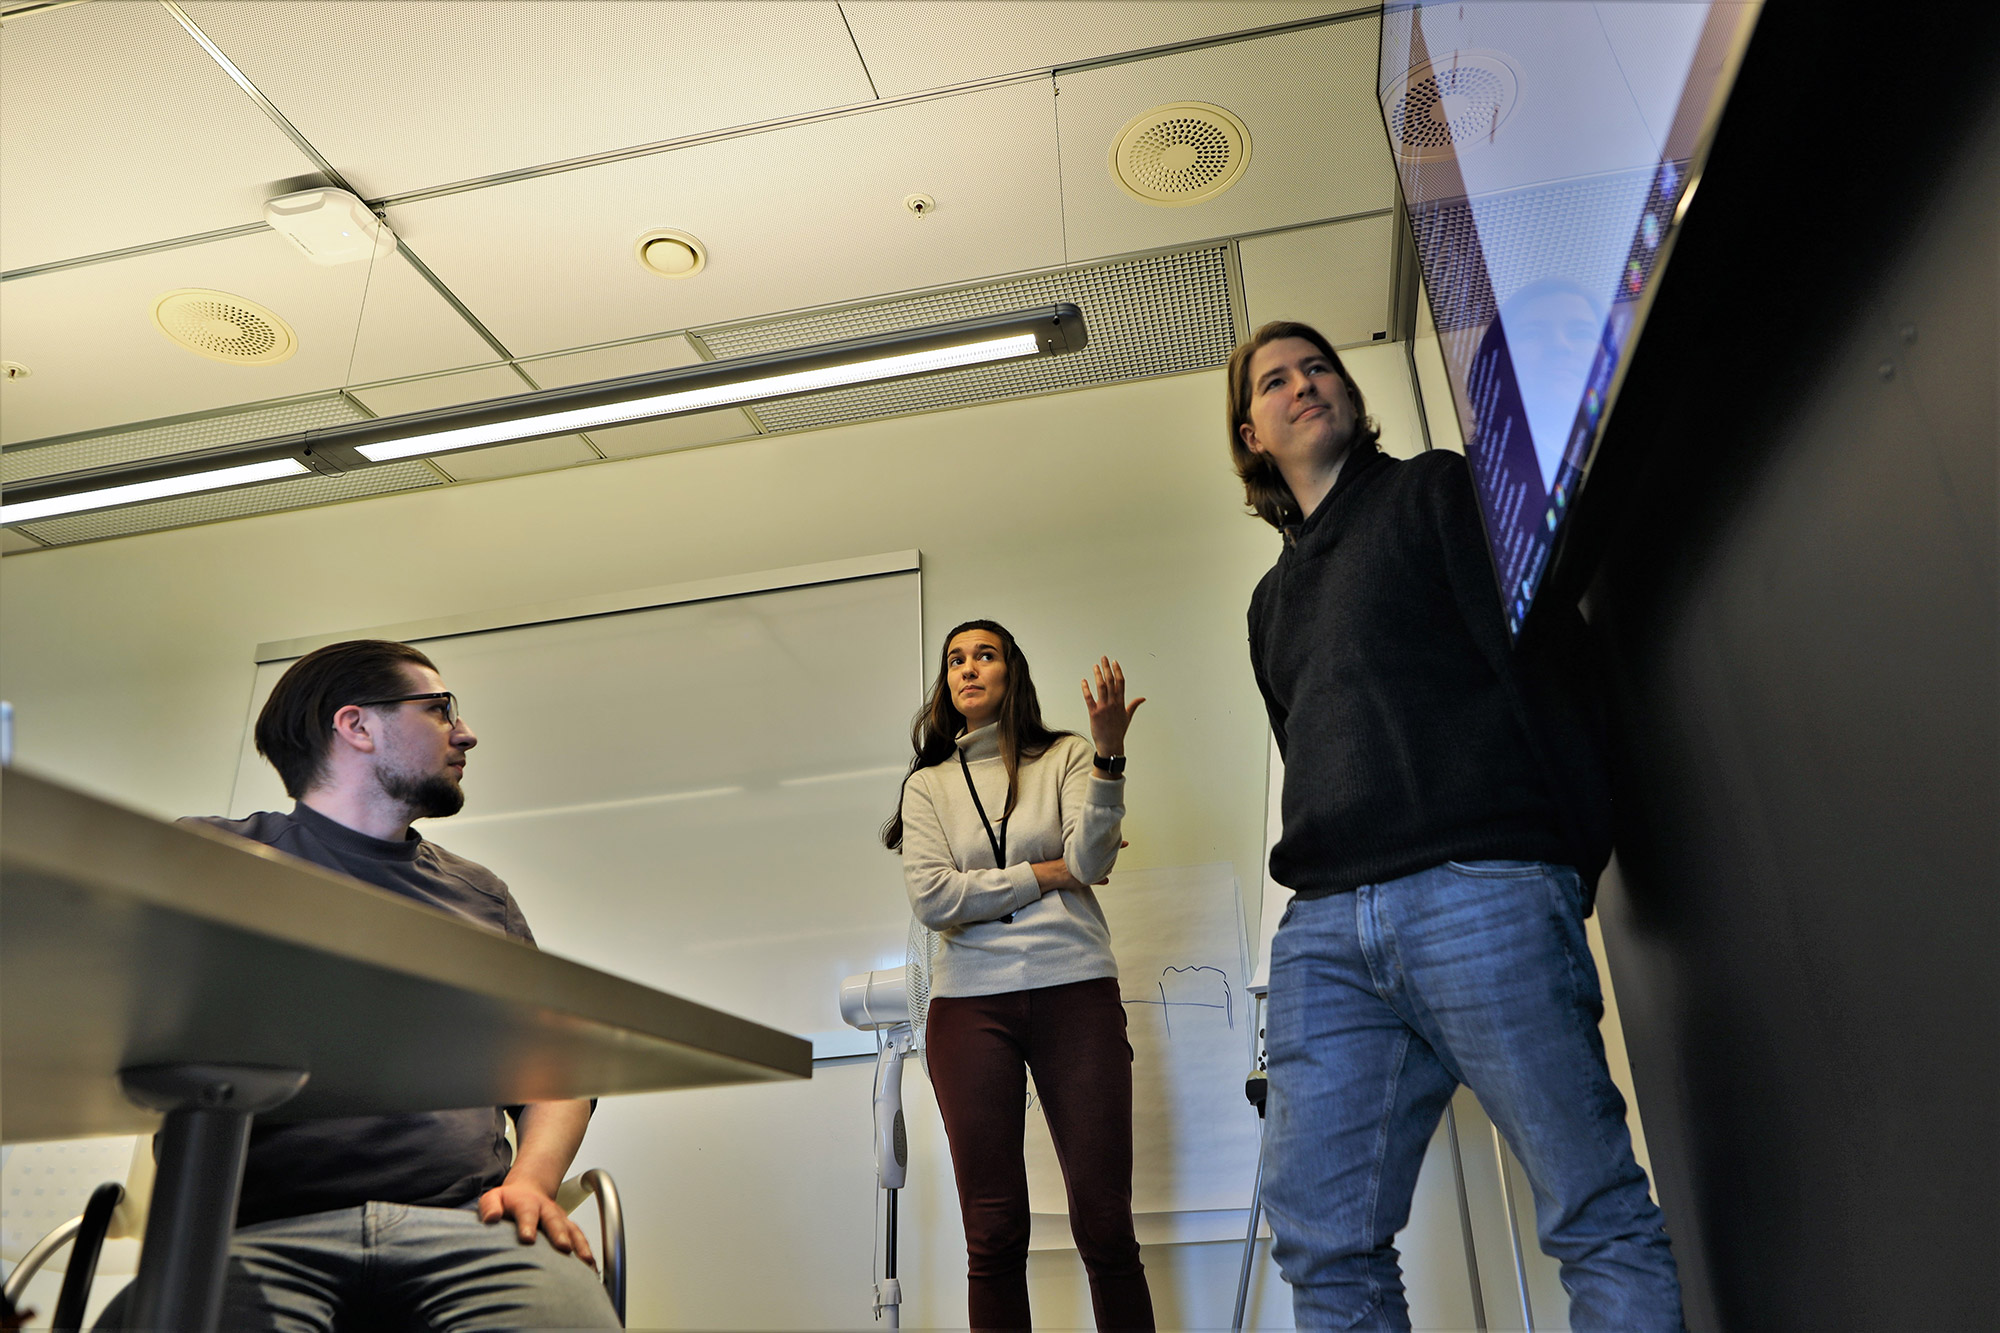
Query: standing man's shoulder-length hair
1264	488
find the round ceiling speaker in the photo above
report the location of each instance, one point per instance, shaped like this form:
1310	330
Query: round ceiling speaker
1439	109
670	253
1179	154
224	327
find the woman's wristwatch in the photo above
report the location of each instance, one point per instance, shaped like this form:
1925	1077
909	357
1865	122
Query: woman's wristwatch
1111	766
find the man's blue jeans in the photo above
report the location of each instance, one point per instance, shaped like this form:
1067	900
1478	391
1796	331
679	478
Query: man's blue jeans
1382	1002
387	1266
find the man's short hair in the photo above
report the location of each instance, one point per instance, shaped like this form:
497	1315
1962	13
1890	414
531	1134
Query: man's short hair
1264	486
296	727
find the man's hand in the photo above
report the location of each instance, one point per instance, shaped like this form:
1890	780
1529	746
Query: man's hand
531	1210
549	1133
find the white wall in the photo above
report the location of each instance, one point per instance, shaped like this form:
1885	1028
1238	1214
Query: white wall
1103	521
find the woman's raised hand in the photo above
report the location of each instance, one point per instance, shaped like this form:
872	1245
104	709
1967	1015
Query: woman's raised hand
1109	713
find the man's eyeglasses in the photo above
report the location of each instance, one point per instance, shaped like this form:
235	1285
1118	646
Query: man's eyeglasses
451	714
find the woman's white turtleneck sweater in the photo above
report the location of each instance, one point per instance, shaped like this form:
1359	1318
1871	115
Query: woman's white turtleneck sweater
1064	811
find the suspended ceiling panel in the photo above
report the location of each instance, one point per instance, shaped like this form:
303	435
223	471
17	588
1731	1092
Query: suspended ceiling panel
401	397
1318	150
400	96
641	357
97	360
911	47
802	216
1160	315
1334	277
117	130
13	543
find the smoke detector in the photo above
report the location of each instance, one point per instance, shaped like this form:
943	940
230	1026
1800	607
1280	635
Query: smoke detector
330	226
222	327
1442	107
1179	154
670	253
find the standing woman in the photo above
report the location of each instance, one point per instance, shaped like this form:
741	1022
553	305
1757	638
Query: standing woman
1004	827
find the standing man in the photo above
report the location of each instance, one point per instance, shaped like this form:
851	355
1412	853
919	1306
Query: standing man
1446	814
427	1220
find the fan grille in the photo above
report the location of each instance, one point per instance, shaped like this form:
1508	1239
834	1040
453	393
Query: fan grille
224	327
1436	110
1181	153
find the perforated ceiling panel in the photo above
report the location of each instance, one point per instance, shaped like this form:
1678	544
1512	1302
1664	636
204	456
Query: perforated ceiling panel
296	493
1155	316
105	448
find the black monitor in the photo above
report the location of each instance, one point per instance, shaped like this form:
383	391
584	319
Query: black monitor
1547	152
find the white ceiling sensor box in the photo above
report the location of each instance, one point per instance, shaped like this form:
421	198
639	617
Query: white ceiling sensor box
330	226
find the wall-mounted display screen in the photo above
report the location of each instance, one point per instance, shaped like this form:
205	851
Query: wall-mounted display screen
1547	152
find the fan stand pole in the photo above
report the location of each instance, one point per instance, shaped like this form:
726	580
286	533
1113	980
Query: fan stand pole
889	1298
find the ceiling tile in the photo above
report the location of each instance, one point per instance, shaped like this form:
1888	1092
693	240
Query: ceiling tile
98	361
513	460
401	96
666	434
1333	277
117	130
802	216
613	362
13	543
936	45
1318	150
465	386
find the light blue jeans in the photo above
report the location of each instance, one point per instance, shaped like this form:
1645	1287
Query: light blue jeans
391	1266
1382	1002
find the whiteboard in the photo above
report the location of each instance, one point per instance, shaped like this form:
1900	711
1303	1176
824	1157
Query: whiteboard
688	792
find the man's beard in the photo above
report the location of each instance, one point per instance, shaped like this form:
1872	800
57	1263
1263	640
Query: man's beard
428	795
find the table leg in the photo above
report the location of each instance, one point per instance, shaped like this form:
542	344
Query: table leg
201	1152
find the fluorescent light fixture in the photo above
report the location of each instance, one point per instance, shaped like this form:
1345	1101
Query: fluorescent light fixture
701	400
160	488
1050	330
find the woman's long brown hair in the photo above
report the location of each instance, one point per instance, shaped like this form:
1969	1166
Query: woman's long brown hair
935	729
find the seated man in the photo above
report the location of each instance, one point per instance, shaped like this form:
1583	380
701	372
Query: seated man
392	1221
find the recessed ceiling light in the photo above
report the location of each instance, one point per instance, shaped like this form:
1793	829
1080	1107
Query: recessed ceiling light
671	253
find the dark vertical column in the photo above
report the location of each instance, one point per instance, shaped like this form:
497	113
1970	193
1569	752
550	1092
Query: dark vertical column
1799	599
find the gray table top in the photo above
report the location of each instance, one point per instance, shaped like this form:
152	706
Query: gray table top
126	940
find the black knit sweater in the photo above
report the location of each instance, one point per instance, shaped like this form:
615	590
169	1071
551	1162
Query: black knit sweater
1413	732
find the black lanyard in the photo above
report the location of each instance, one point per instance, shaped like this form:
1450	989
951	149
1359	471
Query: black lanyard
999	844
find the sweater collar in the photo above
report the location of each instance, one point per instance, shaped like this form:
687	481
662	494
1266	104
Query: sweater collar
981	744
1319	524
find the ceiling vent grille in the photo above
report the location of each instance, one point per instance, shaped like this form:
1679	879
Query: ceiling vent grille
1160	315
222	327
1181	153
1435	110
